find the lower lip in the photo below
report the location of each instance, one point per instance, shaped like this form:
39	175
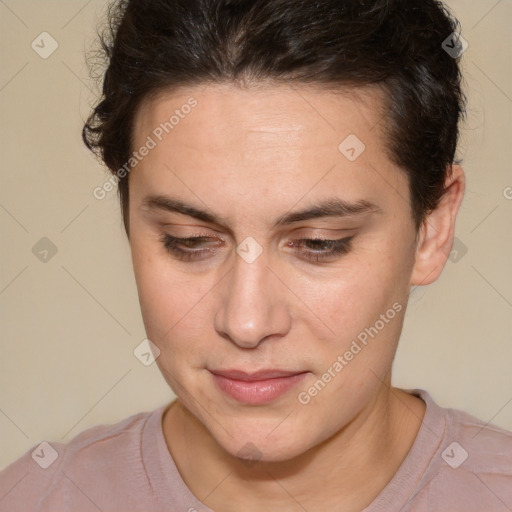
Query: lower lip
257	392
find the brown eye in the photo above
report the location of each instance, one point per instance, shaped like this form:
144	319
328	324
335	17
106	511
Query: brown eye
320	249
311	249
185	249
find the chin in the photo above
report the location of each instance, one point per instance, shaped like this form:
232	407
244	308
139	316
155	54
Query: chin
253	443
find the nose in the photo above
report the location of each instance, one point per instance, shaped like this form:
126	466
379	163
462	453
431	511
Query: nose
253	304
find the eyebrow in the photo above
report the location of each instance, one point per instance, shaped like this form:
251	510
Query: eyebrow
333	207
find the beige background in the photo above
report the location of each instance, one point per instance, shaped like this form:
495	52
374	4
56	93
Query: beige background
69	326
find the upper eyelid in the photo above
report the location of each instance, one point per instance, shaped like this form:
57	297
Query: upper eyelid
343	240
300	238
341	233
338	248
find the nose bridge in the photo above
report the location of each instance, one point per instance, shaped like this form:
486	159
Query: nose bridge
251	308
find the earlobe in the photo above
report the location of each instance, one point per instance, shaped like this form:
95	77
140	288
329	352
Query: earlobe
435	239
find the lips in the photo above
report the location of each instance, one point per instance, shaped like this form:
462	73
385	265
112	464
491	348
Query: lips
256	388
254	376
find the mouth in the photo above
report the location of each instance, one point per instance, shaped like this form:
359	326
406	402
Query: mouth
256	388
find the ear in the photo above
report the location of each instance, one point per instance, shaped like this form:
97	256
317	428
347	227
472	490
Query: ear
435	239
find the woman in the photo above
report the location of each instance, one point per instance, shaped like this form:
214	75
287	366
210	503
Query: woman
286	173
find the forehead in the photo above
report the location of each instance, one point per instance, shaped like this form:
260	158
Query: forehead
269	141
310	114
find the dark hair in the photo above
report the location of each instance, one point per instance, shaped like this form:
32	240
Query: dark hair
156	45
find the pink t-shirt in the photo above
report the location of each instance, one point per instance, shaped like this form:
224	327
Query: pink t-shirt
457	463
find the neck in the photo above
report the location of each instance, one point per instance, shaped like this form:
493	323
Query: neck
344	473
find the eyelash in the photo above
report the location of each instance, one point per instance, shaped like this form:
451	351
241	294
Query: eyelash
337	247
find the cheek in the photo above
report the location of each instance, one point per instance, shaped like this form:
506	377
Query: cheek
158	290
172	302
363	305
351	297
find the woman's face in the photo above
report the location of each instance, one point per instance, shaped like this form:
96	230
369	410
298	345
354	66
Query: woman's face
252	294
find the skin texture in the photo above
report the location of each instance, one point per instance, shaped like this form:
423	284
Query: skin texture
249	156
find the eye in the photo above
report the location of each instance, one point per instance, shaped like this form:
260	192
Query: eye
311	249
175	245
321	249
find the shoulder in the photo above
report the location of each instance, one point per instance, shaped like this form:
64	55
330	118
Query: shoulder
472	466
482	445
468	440
50	474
